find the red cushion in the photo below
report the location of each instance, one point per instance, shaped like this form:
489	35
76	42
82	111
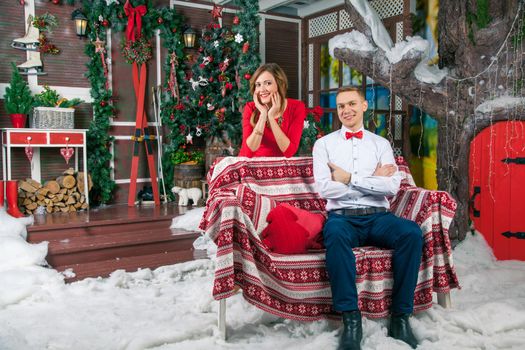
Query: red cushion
312	223
283	234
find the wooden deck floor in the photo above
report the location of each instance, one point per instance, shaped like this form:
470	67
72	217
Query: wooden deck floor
96	242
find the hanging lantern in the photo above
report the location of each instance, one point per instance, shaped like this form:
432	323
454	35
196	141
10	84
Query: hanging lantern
189	37
80	22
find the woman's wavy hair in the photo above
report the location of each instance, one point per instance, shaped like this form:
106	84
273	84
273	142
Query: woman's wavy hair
280	79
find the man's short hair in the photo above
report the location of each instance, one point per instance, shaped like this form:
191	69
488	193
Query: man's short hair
357	89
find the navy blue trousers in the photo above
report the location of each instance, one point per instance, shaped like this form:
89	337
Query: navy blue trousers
385	230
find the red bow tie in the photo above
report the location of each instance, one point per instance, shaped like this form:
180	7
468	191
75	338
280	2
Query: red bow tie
358	134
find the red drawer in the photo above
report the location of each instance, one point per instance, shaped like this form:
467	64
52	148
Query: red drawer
21	138
63	138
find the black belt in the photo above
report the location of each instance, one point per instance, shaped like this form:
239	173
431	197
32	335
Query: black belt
360	211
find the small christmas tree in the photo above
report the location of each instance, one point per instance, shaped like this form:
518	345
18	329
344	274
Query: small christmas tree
245	24
212	103
217	88
18	98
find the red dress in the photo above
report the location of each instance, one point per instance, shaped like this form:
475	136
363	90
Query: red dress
292	125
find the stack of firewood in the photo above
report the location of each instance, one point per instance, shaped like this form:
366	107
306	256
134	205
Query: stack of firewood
65	194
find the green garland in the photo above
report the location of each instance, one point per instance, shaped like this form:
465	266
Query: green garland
102	16
248	59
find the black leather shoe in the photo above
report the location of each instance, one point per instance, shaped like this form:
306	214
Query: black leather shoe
352	331
400	329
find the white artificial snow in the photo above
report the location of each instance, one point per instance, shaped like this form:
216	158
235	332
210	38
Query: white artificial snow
354	41
379	32
408	47
189	221
502	102
171	308
9	226
204	242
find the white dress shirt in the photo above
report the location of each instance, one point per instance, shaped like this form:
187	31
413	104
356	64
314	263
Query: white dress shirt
360	158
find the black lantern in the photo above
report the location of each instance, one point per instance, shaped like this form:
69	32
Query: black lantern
80	22
189	37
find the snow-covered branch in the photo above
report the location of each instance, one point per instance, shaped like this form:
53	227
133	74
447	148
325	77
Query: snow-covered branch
401	67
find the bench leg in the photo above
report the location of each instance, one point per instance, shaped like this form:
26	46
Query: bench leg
444	300
222	319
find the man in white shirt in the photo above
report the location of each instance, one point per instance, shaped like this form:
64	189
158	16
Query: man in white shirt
354	171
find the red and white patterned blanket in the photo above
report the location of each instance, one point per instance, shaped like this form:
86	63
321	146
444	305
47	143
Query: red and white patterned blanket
242	191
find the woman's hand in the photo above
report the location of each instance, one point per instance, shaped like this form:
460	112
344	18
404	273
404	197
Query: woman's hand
273	112
263	110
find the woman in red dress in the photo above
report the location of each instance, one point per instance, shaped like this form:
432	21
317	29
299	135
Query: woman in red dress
272	124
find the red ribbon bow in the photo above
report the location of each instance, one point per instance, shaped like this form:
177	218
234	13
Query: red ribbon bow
134	16
358	134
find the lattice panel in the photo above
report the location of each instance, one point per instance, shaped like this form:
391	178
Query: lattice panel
398	130
322	25
387	8
310	67
344	20
310	100
399	32
398	152
398	103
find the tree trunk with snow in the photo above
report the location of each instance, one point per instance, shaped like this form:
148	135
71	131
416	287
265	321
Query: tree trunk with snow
481	80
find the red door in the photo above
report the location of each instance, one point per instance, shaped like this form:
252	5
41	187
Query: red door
497	188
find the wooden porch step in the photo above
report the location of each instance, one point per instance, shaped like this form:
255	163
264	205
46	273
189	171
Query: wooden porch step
89	229
93	248
129	264
99	241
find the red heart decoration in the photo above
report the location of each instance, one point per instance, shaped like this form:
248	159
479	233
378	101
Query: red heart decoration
29	152
67	153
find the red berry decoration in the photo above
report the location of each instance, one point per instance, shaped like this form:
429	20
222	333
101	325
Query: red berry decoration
245	47
210	80
236	20
22	2
105	23
247	76
56	2
160	20
103	103
174	30
202	97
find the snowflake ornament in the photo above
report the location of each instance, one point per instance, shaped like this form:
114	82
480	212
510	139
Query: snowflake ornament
109	2
306	124
198	133
238	38
216	43
100	18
